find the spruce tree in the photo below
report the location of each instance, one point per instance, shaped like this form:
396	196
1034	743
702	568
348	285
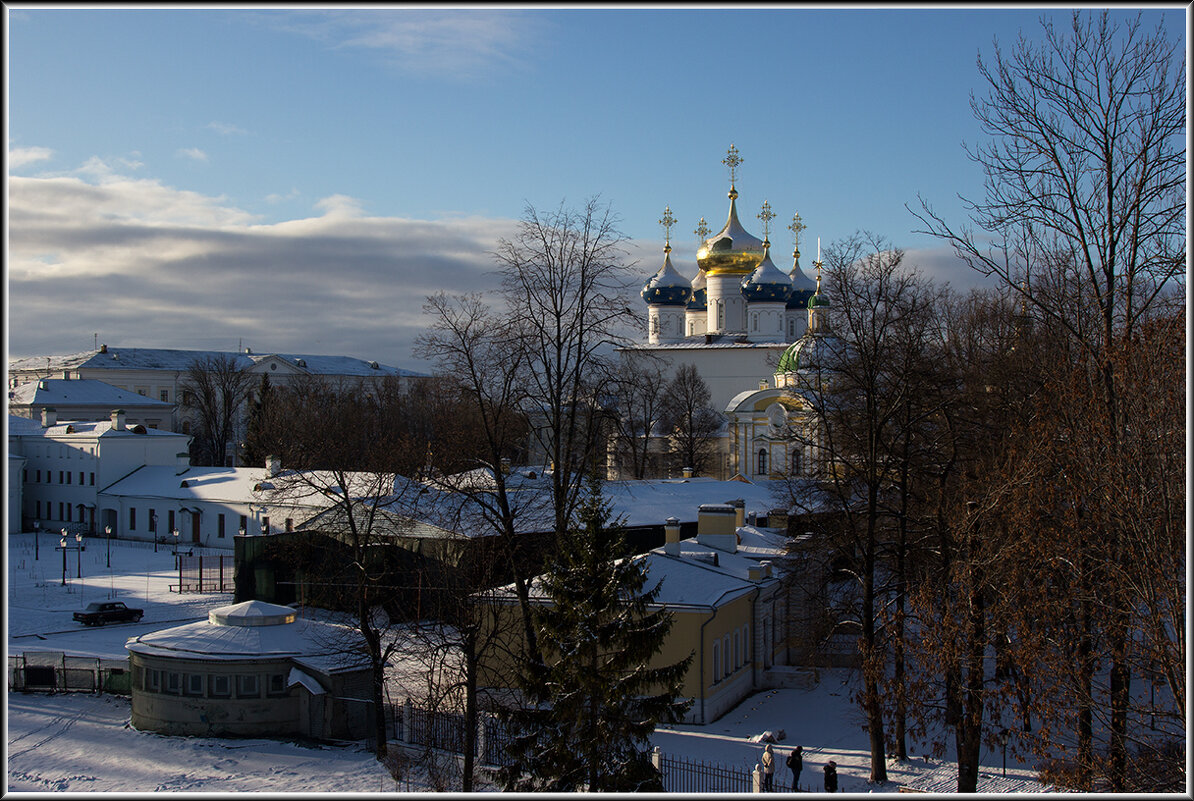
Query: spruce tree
591	706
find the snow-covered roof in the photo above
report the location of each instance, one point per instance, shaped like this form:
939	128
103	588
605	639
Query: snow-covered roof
252	633
118	358
79	392
227	484
83	428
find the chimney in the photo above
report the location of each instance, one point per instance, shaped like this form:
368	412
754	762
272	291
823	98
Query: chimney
49	416
766	565
42	384
671	535
273	466
687	472
66	375
182	459
103	348
778	518
739	512
754	573
762	383
715	527
118	420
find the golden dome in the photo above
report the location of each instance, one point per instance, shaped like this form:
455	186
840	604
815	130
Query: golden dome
731	251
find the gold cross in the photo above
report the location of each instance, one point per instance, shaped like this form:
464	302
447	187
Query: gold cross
732	161
766	215
796	227
667	221
702	230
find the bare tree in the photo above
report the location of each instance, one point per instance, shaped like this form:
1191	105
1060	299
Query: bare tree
637	391
690	421
1085	171
565	286
213	390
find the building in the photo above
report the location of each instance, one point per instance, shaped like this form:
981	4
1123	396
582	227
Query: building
161	374
87	399
730	605
734	319
68	464
252	670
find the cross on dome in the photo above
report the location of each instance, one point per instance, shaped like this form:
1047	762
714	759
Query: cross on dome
667	221
796	227
732	160
766	215
702	229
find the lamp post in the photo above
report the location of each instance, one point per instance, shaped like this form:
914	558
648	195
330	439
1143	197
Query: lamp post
62	547
36	537
153	526
1004	735
79	553
174	533
108	534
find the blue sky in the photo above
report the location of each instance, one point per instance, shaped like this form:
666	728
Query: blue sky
301	179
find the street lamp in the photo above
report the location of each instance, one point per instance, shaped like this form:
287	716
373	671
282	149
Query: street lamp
79	553
175	534
108	534
153	526
36	537
62	547
1004	735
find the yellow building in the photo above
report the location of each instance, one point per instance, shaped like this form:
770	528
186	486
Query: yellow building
729	604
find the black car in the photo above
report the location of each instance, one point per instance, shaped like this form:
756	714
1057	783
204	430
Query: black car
98	613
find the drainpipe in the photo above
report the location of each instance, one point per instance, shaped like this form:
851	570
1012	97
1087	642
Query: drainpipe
701	678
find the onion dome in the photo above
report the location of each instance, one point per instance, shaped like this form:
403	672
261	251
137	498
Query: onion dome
803	287
767	284
700	295
667	287
810	352
731	250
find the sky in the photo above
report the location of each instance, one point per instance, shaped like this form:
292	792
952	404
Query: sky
301	180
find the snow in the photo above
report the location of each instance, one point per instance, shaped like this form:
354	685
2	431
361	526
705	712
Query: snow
77	742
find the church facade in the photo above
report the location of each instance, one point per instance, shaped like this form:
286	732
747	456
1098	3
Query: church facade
750	330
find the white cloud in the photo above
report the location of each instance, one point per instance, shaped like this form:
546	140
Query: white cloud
226	128
20	156
277	198
193	153
461	43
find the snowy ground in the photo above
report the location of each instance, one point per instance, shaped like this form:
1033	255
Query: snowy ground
82	743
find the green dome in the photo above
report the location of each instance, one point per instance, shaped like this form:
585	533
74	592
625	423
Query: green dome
817	300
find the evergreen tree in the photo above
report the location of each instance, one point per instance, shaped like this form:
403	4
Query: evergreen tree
593	703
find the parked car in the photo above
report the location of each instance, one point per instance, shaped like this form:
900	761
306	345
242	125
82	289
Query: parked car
98	613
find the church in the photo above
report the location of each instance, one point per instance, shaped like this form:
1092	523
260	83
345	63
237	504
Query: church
751	331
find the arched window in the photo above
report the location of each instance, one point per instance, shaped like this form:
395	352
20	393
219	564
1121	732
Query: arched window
797	463
716	662
762	466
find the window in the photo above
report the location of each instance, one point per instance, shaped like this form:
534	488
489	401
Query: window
265	525
762	466
716	662
92	481
60	481
727	665
25	475
170	521
277	684
153	679
67	476
143	391
746	643
219	687
737	649
68	513
37	509
173	683
244	523
186	426
193	684
153	520
289	524
165	396
246	686
721	315
61	514
132	518
80	478
220	526
38	477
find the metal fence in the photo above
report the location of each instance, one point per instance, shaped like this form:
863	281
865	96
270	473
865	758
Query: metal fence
57	672
210	573
682	775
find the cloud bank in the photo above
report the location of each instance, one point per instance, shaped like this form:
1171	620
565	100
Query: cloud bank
144	264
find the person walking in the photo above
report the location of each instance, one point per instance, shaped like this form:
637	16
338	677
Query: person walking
831	777
768	769
795	763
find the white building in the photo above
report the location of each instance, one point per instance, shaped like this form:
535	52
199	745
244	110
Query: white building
161	373
87	399
67	465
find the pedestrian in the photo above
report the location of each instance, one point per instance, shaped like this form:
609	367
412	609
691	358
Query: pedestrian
831	777
795	763
768	769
